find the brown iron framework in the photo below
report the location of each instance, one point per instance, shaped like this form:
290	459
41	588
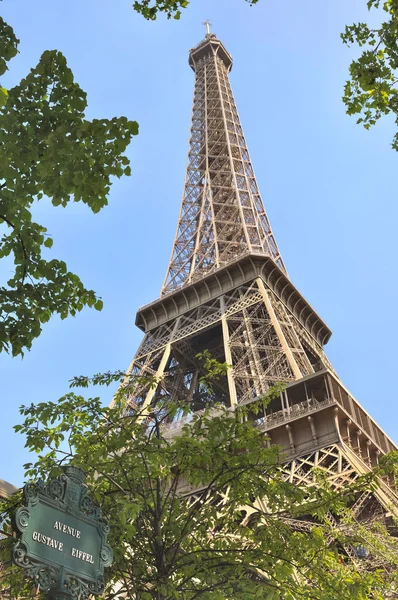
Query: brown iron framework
222	215
226	290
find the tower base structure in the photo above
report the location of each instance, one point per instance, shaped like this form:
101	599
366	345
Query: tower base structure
250	315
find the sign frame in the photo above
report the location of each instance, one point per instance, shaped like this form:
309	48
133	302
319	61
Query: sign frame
64	575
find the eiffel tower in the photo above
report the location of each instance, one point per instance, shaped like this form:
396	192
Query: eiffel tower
227	290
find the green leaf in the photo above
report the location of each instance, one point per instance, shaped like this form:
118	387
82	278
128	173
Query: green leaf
3	96
99	305
133	127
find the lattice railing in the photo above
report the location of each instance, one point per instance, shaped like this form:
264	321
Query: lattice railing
294	412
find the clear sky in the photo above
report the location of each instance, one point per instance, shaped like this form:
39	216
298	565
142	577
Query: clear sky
329	186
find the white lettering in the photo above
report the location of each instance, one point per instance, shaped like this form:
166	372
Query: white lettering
44	539
82	555
67	529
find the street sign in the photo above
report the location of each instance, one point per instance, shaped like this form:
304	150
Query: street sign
62	537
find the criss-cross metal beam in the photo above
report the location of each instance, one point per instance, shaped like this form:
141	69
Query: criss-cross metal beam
222	215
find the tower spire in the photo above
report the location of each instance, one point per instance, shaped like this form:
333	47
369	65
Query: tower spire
207	25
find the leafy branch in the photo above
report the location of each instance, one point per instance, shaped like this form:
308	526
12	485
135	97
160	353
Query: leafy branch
371	91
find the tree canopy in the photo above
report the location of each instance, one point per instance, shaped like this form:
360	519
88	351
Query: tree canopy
203	509
49	151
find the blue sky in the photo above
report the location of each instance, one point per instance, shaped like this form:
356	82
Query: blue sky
329	186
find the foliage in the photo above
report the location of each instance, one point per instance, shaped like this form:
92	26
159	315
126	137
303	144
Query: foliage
185	519
48	149
8	49
371	91
213	369
149	9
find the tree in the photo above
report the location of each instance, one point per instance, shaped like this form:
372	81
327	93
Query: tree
48	149
183	505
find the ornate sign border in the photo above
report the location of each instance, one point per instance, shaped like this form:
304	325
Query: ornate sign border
68	494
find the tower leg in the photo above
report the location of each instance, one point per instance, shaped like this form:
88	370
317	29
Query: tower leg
158	375
278	329
228	355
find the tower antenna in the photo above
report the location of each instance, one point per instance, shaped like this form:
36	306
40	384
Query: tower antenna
207	25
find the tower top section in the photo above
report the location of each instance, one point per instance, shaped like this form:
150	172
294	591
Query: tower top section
211	45
222	216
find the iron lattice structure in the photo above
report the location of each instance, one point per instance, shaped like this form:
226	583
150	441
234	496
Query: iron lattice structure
227	290
222	214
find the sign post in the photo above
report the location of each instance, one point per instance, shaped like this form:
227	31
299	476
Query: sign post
62	538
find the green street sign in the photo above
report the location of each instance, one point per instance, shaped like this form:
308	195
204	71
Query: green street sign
62	537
